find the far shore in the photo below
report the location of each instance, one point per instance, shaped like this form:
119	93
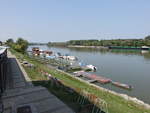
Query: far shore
96	47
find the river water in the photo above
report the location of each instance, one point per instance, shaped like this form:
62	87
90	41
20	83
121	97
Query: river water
125	66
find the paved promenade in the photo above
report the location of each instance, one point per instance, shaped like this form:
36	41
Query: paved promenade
22	97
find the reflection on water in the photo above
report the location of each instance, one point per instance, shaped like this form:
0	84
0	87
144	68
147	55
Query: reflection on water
126	66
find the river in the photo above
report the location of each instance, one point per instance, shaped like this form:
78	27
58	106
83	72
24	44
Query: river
125	66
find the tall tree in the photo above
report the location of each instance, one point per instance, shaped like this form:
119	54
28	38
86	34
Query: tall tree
21	45
9	42
147	37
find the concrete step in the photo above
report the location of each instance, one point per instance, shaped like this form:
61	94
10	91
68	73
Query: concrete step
1	107
52	105
19	84
38	97
20	91
7	110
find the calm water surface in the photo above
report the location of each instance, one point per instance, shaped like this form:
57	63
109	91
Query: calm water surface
130	67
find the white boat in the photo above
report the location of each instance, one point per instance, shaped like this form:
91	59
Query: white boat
91	67
50	57
69	57
145	48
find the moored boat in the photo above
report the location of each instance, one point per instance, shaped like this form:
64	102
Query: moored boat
118	84
130	47
72	58
145	48
99	79
103	80
91	67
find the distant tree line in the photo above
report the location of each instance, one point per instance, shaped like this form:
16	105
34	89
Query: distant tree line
62	44
84	42
114	42
20	45
36	43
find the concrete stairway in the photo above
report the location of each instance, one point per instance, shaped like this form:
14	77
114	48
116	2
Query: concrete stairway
40	100
21	94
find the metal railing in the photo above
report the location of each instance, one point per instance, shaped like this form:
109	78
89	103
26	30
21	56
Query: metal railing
3	70
3	67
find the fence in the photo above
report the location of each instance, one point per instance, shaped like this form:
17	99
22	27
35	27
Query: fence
3	70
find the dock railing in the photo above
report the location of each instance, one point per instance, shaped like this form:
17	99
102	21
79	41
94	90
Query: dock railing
3	70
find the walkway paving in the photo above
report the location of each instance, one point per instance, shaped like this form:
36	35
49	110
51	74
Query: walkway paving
22	97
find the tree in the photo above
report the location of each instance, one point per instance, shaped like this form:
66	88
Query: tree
147	37
21	45
9	42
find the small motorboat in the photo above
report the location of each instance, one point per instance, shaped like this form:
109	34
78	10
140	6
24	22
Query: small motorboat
71	58
91	67
145	48
122	85
50	57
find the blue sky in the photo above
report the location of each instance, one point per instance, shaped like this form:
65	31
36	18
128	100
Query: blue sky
62	20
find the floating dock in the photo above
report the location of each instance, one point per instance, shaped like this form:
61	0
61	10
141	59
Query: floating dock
94	77
100	79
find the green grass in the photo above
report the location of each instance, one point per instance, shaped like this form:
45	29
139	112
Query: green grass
116	104
74	69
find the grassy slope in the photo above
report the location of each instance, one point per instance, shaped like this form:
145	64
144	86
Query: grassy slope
115	103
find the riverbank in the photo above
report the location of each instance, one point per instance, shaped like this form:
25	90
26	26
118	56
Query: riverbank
96	47
112	100
126	97
111	47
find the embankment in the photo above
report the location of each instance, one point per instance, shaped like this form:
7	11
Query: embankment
126	97
116	103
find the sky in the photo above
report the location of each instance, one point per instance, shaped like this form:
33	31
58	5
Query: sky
63	20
